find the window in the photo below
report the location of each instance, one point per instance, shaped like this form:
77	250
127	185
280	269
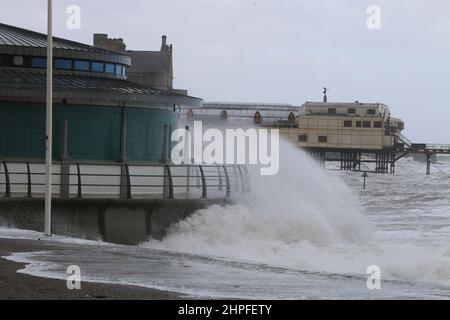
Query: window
348	123
257	119
351	111
190	114
18	61
323	139
81	65
366	124
98	67
124	71
332	111
303	138
377	124
109	68
371	111
63	64
119	70
6	61
358	124
39	62
291	118
224	115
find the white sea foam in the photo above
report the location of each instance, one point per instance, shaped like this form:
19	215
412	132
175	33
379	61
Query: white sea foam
308	219
20	234
305	219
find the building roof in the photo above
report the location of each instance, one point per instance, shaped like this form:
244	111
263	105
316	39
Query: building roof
250	106
18	41
355	104
241	113
30	83
14	36
36	79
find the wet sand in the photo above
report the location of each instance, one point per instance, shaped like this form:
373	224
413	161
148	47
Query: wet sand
17	286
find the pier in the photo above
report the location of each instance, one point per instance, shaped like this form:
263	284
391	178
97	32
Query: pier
357	136
378	161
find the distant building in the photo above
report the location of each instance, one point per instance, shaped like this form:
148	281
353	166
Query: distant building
102	41
361	126
242	114
149	68
106	116
314	125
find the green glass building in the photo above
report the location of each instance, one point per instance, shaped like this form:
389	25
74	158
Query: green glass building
98	114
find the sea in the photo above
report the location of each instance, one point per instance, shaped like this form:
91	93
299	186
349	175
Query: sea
306	233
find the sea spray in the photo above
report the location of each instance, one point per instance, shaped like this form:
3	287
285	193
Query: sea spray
297	211
306	218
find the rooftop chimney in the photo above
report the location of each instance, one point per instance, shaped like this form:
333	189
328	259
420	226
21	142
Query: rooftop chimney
164	43
98	37
101	40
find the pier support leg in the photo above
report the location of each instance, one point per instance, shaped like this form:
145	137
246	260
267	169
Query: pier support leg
428	164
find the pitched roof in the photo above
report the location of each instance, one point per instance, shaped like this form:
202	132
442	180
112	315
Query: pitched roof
14	36
37	79
32	84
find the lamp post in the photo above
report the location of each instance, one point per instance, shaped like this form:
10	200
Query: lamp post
49	123
365	175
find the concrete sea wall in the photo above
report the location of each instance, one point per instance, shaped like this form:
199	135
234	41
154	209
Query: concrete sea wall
118	221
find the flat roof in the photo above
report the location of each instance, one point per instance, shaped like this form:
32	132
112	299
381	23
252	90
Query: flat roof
343	104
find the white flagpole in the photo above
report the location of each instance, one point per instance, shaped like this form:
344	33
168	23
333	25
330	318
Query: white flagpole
49	122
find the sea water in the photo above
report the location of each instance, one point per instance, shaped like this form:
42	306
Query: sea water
303	233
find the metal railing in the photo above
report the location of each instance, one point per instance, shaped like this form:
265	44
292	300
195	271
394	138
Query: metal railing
126	181
442	147
405	140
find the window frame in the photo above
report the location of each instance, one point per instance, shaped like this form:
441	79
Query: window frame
97	63
55	62
378	124
117	68
302	138
348	124
110	65
332	111
322	139
42	59
83	62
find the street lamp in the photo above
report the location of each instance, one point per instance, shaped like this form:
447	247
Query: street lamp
49	123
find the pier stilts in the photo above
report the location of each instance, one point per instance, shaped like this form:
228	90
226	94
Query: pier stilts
428	164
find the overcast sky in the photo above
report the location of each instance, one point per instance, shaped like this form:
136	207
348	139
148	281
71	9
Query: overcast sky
283	51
